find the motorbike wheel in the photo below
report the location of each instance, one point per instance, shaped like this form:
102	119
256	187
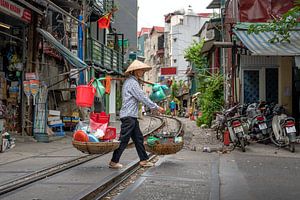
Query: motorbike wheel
292	147
242	143
274	141
219	134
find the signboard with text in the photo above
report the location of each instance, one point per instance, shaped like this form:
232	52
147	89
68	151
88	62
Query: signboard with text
15	10
168	71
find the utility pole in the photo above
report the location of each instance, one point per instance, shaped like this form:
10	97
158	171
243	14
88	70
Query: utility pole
81	35
223	51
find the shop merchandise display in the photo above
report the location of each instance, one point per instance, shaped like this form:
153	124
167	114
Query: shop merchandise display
11	67
6	142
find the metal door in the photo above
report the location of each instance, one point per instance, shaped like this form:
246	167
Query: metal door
251	86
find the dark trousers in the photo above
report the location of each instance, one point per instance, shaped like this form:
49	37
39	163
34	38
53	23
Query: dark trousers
130	128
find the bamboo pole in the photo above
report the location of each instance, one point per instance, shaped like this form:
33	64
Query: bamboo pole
122	79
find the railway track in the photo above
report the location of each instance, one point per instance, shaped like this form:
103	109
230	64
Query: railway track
102	190
95	192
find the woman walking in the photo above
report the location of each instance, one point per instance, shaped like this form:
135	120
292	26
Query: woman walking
132	94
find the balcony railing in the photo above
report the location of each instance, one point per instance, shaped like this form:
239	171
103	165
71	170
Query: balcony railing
108	5
102	6
101	56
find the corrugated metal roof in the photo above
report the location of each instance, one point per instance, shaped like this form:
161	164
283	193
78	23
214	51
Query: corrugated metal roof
66	53
214	4
259	43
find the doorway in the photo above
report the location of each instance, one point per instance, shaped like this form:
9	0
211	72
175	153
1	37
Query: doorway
260	84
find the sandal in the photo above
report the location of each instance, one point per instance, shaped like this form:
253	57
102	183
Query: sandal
146	164
114	165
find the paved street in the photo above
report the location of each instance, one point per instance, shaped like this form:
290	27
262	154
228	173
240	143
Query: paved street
233	63
262	172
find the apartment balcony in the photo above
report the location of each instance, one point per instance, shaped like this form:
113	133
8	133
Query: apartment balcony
99	8
99	55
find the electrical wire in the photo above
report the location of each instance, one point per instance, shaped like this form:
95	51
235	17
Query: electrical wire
68	77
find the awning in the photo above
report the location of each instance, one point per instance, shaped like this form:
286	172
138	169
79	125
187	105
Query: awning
66	53
210	44
207	46
214	4
259	44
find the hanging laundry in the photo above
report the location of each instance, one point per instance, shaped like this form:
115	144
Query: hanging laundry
107	84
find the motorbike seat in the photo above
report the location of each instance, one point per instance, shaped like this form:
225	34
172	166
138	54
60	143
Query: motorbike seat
283	120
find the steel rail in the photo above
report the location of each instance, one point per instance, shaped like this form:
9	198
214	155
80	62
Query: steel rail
100	191
49	171
97	192
41	174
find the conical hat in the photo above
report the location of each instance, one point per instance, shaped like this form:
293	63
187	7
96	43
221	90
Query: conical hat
137	65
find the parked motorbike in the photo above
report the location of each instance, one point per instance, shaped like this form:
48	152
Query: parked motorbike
218	124
284	130
231	120
257	123
237	133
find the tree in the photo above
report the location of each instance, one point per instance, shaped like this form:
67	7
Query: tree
210	85
211	99
281	26
193	54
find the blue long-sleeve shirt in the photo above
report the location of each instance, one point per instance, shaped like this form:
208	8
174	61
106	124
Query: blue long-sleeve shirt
132	94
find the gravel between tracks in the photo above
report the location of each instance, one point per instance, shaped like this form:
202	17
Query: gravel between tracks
197	138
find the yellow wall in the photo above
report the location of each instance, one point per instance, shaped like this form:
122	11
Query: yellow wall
285	82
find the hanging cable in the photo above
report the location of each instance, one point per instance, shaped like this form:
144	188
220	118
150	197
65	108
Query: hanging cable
68	77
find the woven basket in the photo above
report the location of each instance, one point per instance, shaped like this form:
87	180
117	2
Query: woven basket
164	149
95	147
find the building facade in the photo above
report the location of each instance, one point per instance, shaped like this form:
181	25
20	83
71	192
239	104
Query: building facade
143	34
180	30
255	69
154	53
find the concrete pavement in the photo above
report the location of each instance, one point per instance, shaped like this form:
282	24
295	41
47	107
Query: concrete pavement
262	172
185	175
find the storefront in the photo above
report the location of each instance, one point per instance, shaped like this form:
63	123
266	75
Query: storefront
14	20
267	74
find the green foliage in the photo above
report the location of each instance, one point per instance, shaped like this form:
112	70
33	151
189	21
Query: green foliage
180	83
193	54
211	99
174	89
280	26
210	85
168	111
